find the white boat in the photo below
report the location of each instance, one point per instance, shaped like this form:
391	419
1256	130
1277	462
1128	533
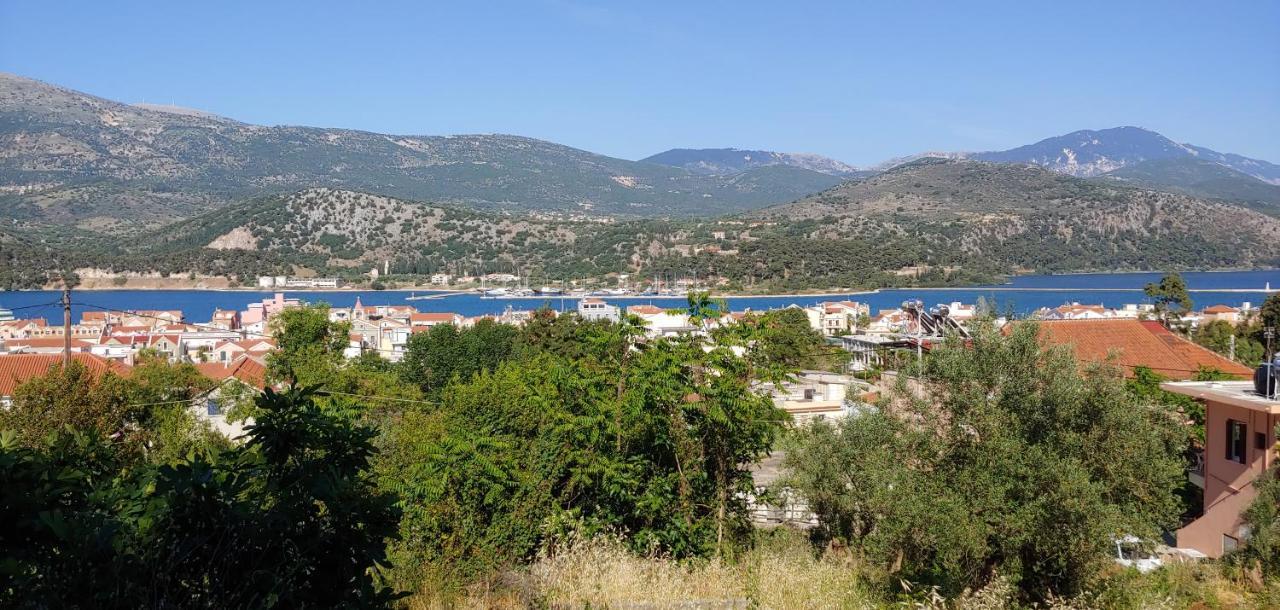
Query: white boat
548	291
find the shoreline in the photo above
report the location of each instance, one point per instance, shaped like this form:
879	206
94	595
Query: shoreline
435	292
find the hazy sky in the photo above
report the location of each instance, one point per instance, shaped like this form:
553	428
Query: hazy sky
853	80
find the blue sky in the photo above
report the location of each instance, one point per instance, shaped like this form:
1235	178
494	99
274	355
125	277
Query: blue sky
860	82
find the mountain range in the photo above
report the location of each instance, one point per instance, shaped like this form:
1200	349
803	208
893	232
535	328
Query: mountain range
1026	215
715	161
197	193
1089	153
73	158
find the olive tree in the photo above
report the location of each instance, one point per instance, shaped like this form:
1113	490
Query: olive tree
1003	458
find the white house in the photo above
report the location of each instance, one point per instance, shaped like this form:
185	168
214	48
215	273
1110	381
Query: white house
596	309
813	396
659	322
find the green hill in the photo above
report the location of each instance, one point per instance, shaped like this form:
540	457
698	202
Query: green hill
1201	178
1020	216
72	158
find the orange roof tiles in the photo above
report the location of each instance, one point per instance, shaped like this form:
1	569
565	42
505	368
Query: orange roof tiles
1221	309
1137	343
645	309
244	369
432	316
18	368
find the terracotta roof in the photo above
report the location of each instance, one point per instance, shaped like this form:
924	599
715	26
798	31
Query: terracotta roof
248	345
1221	309
244	369
124	330
1137	343
645	309
26	322
432	316
17	368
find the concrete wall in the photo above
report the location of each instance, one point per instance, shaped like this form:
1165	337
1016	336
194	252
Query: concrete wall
1228	485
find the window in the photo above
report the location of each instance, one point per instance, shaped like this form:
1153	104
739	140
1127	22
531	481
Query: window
1236	434
212	407
1229	543
1260	441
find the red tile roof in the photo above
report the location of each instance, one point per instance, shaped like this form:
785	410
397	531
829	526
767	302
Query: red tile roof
1137	343
1221	309
244	369
645	309
18	368
431	316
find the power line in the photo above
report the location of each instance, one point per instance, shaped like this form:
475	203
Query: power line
34	306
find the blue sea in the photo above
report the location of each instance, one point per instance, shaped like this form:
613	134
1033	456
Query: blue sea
1020	296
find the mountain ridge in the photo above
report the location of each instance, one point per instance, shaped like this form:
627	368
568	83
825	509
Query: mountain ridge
1031	216
81	159
734	160
1088	153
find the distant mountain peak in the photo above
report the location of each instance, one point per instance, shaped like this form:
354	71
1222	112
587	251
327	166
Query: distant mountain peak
1088	152
717	161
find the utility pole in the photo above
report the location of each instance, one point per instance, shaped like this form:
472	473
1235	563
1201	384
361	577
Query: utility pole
66	326
1269	332
1231	347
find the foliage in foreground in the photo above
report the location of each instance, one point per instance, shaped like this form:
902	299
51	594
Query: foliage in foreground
1009	460
651	441
286	519
147	413
782	571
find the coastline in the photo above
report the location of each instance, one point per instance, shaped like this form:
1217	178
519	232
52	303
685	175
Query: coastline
437	292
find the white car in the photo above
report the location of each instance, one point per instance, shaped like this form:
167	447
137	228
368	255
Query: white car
1132	553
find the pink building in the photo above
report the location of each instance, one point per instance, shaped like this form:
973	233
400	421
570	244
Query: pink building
261	312
1240	441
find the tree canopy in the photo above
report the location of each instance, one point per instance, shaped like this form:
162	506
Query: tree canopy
1007	459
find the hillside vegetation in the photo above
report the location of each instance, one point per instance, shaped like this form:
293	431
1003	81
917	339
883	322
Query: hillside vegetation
931	222
1015	215
1201	178
72	158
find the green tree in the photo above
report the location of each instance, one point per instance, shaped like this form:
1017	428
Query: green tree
71	397
703	309
1218	335
781	342
309	346
435	357
148	412
1263	517
1269	312
1007	460
1170	297
287	519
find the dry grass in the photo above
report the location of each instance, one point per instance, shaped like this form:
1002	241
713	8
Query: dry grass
784	574
602	574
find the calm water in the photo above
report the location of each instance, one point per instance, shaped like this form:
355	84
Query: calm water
1022	295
